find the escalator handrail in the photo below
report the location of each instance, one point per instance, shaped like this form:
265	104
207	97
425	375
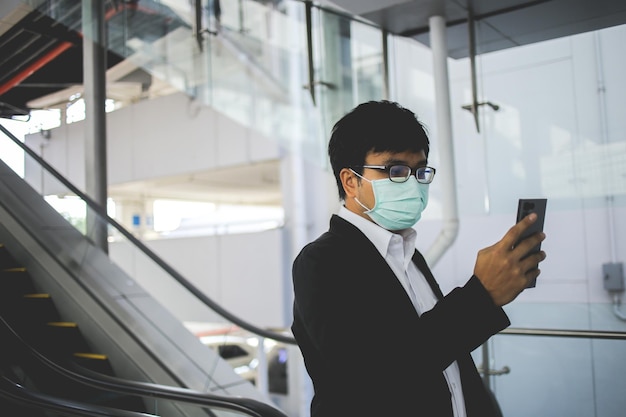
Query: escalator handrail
95	379
16	393
98	209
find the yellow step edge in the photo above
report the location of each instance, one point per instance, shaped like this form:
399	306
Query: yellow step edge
36	295
18	269
62	324
97	356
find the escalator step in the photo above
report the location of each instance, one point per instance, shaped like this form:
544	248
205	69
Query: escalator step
95	356
37	296
15	280
6	259
39	305
60	338
96	362
28	310
14	269
100	363
67	336
34	316
63	324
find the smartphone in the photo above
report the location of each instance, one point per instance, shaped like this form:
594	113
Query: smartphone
525	206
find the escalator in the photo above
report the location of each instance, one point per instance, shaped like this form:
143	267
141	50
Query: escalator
37	337
34	316
63	288
79	391
66	297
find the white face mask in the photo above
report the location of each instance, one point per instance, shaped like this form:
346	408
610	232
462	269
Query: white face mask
399	205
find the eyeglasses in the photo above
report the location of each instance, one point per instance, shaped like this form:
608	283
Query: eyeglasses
401	173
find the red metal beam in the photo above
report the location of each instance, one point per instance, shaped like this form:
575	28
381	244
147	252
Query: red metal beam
58	50
29	70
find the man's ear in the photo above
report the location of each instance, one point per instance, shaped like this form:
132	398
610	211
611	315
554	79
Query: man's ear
349	181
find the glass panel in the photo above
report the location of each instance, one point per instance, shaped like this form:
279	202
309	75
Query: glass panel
559	376
412	85
554	129
251	67
555	133
348	64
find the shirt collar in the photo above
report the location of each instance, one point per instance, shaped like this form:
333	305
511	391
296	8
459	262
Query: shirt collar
380	238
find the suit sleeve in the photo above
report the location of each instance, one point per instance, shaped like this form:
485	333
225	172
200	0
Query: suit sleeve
361	336
339	306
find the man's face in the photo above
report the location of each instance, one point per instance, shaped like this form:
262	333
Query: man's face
357	188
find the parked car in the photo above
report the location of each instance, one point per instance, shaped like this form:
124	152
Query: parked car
240	351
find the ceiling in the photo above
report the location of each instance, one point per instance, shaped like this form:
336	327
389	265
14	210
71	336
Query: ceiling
39	56
255	184
500	24
41	67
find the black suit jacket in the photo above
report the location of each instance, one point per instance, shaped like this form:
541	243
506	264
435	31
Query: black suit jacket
365	347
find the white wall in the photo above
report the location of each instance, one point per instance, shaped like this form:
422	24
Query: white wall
559	134
170	135
240	272
554	136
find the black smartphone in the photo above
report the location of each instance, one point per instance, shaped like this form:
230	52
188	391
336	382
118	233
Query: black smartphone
525	206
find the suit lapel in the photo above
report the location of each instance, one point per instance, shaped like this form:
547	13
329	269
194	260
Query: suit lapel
475	396
373	262
473	390
420	262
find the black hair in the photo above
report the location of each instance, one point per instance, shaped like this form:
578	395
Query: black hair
374	126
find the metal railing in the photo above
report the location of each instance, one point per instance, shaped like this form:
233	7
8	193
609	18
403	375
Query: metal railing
559	333
101	211
579	334
113	384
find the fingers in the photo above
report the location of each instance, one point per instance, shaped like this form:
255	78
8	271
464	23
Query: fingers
531	262
526	245
516	231
531	277
507	267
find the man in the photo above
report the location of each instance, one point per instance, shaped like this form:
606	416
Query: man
377	335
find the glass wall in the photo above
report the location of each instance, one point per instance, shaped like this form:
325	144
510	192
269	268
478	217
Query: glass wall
554	130
559	376
349	64
557	134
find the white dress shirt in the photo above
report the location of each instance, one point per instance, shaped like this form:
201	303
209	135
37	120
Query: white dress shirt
397	249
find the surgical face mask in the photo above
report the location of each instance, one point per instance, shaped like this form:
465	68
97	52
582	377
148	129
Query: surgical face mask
398	205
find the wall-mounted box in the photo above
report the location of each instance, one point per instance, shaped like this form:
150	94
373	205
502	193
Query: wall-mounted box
613	274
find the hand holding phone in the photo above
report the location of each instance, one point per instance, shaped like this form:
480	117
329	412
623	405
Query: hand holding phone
526	206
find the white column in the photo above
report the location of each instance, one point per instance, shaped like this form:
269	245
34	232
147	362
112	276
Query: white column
94	69
445	173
